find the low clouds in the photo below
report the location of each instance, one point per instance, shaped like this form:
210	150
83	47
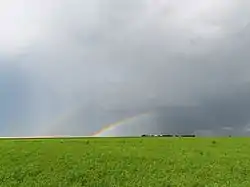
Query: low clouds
85	64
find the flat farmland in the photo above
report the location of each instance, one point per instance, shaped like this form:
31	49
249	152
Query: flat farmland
125	162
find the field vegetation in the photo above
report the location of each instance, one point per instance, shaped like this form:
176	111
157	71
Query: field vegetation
125	162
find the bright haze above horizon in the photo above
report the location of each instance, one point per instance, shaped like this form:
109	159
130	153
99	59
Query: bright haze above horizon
74	67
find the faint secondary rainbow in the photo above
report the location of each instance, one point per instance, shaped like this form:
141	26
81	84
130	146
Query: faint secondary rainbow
59	121
118	123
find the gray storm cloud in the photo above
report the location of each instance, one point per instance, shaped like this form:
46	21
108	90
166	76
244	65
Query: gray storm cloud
80	65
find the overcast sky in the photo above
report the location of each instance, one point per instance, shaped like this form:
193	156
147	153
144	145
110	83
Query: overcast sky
72	67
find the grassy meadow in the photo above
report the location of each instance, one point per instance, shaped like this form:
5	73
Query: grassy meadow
125	162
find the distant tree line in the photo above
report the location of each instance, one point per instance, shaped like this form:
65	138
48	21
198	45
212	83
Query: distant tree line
168	135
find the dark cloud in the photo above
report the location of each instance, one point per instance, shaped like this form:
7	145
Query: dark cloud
92	63
14	91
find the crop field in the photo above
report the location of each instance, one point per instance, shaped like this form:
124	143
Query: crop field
125	162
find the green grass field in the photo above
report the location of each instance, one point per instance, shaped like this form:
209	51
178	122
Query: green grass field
121	162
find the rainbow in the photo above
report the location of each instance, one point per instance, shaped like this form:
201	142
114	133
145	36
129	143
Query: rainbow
153	7
64	117
118	123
